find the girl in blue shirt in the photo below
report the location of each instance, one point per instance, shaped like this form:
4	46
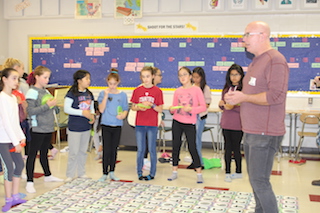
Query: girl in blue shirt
110	100
79	104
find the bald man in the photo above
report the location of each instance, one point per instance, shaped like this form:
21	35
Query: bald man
262	111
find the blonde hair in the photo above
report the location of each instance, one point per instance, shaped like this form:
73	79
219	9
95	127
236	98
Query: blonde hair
12	62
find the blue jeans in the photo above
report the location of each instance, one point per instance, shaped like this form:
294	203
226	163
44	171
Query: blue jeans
259	153
151	133
200	127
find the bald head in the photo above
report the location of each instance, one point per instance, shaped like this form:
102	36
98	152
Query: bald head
260	26
257	37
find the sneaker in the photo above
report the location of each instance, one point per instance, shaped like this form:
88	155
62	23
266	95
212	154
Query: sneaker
54	152
52	179
69	179
316	183
228	178
65	149
236	175
84	177
30	187
113	176
103	178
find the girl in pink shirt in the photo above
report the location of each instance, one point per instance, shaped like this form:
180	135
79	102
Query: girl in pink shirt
188	101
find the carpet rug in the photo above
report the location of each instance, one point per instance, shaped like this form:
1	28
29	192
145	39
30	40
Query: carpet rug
88	196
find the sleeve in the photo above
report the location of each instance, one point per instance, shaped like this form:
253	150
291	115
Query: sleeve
200	105
11	125
207	94
100	97
278	82
92	110
222	98
134	97
68	107
125	105
33	108
175	100
159	100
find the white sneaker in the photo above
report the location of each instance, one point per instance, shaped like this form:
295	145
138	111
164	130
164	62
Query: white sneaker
236	175
52	179
228	178
84	177
65	149
69	179
30	187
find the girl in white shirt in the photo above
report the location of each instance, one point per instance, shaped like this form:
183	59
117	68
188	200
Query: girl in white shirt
11	136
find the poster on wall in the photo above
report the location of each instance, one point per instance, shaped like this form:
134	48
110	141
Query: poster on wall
310	4
262	4
127	8
238	5
88	9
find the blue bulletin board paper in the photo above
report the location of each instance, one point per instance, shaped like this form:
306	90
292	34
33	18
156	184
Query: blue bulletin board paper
65	55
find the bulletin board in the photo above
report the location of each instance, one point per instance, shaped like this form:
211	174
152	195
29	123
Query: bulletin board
215	54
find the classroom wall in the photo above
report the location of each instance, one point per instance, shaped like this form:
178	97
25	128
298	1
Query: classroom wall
3	36
55	18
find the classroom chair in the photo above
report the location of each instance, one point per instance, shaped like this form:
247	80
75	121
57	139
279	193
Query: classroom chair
61	122
309	119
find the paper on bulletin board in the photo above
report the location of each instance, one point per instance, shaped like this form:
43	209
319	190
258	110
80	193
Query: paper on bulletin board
88	9
161	27
126	8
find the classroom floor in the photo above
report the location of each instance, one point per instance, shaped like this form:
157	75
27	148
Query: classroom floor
287	179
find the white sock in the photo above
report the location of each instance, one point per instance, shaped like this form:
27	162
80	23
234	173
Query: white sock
173	176
199	178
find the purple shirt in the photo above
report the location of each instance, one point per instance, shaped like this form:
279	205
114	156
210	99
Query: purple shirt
268	72
230	119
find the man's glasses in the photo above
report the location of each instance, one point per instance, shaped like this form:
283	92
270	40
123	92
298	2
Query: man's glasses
246	35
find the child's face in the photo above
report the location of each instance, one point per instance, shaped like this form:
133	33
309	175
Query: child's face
184	76
235	77
112	83
12	81
20	69
43	80
146	77
157	78
196	78
84	83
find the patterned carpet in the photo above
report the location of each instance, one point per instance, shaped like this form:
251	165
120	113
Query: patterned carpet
87	196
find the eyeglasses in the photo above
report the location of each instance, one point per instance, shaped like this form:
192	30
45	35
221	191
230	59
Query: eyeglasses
183	75
246	35
159	75
235	74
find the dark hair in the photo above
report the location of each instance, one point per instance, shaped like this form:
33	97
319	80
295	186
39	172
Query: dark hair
114	73
25	76
39	70
202	74
78	75
5	73
96	108
228	81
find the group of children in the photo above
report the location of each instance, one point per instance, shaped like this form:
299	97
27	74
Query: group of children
189	110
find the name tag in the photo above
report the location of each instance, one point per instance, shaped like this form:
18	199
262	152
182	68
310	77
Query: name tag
252	81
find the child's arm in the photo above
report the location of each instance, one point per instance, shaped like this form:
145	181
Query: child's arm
72	111
11	126
102	99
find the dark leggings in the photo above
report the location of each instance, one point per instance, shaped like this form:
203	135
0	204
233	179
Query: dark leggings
110	141
39	141
232	139
190	131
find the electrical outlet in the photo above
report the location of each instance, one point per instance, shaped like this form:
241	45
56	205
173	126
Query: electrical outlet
310	101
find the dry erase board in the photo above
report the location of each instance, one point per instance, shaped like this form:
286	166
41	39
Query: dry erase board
65	55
